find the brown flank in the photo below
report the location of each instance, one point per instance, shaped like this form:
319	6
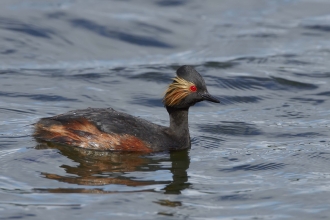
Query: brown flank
84	134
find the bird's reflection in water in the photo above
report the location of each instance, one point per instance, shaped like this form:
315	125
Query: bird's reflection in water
99	168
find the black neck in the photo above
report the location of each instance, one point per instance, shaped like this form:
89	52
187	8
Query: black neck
179	124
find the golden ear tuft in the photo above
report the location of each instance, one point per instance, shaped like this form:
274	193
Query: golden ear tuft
177	91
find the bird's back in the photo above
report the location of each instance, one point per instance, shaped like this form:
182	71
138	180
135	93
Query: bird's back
105	129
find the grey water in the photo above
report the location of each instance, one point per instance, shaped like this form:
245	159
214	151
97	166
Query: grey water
263	153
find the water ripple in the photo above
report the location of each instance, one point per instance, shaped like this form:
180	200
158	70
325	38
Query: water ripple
228	100
231	128
12	25
39	97
257	167
120	35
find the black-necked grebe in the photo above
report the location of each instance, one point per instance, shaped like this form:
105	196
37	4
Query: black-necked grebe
107	129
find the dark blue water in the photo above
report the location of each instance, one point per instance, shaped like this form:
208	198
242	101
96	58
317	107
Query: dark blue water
263	153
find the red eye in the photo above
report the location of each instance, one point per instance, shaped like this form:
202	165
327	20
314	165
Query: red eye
193	88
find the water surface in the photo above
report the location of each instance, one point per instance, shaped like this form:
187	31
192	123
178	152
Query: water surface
263	153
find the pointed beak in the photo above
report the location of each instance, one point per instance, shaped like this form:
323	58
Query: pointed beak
208	97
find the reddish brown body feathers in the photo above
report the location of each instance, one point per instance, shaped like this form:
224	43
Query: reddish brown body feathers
82	133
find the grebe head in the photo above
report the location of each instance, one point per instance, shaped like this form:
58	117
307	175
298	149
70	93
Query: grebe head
187	89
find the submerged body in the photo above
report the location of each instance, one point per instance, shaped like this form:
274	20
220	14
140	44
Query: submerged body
107	129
